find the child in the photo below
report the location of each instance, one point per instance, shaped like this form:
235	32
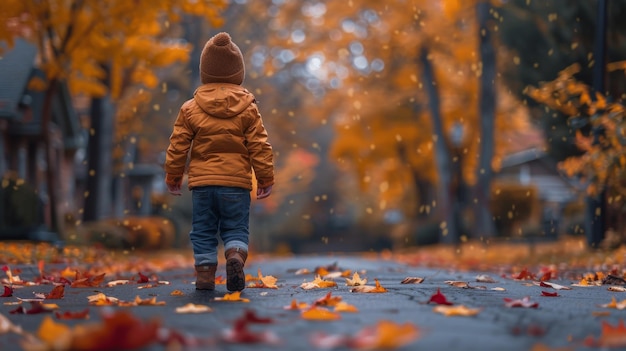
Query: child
221	131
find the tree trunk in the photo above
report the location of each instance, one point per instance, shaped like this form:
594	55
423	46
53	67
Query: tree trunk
99	192
487	111
51	161
450	231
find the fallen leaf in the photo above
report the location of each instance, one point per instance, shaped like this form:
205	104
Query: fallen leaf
267	282
369	289
240	333
177	293
542	347
142	278
8	291
319	313
235	296
523	302
84	314
88	281
385	335
553	286
345	307
6	326
614	304
439	298
193	308
610	337
617	288
295	305
318	283
356	280
412	280
117	282
327	300
458	284
101	299
36	307
524	275
56	293
483	278
459	310
549	294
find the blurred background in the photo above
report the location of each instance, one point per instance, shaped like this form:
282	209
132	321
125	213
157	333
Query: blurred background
394	124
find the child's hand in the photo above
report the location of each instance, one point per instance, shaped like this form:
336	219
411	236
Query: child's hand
174	189
262	193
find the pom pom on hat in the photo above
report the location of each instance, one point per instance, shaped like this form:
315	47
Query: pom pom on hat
221	61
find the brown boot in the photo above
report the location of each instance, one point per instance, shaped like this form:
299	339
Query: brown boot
235	277
205	277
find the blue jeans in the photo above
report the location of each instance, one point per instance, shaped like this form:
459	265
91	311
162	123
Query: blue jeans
218	210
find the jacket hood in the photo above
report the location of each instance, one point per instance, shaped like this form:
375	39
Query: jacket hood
223	100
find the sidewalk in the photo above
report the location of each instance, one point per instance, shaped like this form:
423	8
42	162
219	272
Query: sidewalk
570	320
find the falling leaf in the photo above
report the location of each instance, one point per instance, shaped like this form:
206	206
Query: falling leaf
319	313
459	310
356	280
84	314
523	302
483	278
369	289
318	283
235	296
439	298
267	282
412	280
193	308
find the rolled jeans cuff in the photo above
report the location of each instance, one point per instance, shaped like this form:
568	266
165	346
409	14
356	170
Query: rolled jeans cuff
236	244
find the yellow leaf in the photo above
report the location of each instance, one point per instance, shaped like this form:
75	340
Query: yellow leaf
459	310
267	281
193	308
101	299
356	280
50	331
235	296
320	313
317	283
369	289
345	307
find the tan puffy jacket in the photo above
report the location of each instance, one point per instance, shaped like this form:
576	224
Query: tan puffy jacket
223	128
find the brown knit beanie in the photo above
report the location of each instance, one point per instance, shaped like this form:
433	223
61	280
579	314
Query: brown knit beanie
221	61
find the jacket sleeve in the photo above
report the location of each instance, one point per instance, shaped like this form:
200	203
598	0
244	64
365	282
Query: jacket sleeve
260	150
180	142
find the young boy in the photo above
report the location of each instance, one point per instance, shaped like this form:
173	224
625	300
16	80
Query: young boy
221	132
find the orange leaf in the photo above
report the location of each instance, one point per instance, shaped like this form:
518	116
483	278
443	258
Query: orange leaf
459	310
385	335
320	314
345	307
193	308
84	314
56	293
369	289
327	300
356	280
235	296
295	305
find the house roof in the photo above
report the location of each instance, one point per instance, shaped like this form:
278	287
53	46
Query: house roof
16	66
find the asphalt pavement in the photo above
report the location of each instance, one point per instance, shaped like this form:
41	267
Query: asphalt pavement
571	320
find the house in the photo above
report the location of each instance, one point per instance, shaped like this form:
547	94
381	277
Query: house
554	192
22	151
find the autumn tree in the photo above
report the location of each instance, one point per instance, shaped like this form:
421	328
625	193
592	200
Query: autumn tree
373	71
99	48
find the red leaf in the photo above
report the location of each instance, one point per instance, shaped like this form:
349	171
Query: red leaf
241	334
36	307
57	292
251	317
143	278
550	294
524	302
439	298
523	275
84	314
8	291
